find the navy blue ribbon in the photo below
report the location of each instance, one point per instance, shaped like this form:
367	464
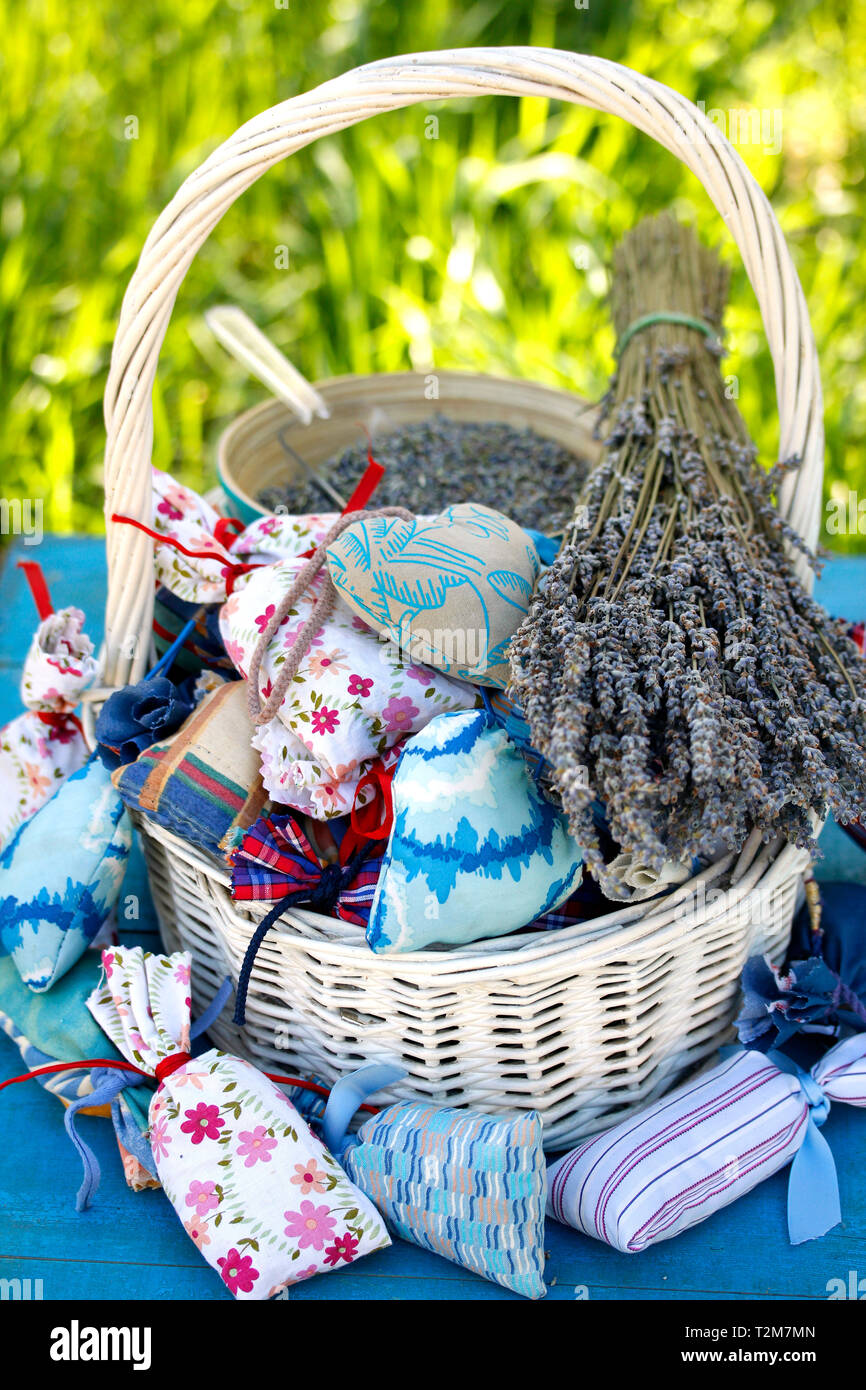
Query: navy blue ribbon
321	895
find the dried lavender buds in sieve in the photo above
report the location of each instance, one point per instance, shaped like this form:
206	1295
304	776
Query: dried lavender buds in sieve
439	462
672	664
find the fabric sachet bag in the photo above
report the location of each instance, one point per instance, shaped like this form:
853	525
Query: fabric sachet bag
66	1032
191	555
44	745
257	1192
353	697
659	1172
61	875
282	537
451	589
275	862
475	850
199	556
203	782
467	1186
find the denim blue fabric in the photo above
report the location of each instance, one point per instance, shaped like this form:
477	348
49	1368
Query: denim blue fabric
134	718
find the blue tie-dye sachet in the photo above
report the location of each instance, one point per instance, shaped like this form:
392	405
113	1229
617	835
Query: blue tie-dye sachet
61	875
476	849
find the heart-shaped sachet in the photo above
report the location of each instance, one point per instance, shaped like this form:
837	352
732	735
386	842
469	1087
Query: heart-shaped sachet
451	589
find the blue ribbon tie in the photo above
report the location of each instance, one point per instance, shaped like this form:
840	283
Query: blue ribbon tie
107	1083
813	1184
348	1094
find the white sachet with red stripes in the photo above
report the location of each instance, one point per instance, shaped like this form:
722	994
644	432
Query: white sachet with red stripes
659	1172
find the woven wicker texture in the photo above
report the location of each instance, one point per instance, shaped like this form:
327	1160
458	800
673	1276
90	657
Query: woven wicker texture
580	1024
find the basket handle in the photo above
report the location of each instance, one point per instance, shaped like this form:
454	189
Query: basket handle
388	85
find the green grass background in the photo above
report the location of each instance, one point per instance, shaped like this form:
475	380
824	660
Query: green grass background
485	249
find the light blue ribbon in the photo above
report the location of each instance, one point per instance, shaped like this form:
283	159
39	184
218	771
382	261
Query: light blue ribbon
350	1092
213	1010
171	652
813	1184
107	1083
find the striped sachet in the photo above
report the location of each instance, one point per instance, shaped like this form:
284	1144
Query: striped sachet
467	1186
203	783
714	1139
203	648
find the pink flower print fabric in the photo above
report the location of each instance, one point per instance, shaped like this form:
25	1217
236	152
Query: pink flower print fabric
256	1191
185	519
36	755
182	516
282	537
352	699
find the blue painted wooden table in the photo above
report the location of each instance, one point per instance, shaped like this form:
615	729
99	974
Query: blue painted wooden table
132	1246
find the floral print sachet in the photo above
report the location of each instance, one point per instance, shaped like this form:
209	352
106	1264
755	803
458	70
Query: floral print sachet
189	524
198	553
257	1192
44	745
282	537
352	699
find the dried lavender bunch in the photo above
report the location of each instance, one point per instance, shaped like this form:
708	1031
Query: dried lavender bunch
672	664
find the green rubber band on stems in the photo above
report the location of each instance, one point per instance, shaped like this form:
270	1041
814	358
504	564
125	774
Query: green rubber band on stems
650	320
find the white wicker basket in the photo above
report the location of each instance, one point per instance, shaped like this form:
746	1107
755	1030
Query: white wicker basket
578	1024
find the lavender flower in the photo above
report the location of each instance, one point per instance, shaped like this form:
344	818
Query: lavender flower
672	651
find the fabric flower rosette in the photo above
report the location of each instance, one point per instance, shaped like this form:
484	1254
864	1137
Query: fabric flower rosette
134	718
45	745
257	1192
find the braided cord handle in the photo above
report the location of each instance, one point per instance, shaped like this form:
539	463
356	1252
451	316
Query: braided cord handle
388	85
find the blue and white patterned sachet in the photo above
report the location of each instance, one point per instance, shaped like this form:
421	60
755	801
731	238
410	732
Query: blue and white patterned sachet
475	850
61	875
467	1186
